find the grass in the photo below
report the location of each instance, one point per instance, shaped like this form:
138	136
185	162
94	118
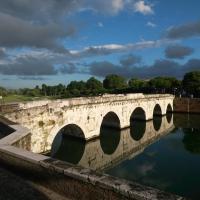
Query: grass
19	98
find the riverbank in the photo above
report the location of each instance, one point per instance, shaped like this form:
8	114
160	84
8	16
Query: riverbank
187	105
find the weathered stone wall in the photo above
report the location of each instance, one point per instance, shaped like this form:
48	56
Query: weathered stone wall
187	105
76	182
46	118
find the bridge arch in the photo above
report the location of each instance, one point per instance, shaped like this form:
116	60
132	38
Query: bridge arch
157	117
169	108
137	124
67	128
110	133
157	111
69	144
111	120
169	113
138	114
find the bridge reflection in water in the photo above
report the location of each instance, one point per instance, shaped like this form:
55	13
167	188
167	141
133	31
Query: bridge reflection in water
114	145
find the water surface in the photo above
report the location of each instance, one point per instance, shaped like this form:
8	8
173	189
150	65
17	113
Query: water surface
163	153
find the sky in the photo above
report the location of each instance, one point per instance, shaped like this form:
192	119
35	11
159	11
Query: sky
57	41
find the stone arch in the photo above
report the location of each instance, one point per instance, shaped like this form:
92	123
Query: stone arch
157	111
138	114
137	124
69	144
73	129
169	113
111	120
157	117
169	108
110	133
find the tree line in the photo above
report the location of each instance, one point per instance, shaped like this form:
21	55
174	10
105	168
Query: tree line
114	84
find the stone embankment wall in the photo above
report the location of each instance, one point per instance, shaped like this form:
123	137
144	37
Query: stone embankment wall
187	105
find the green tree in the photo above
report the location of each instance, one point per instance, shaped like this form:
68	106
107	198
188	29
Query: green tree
94	86
3	91
164	84
114	82
77	88
191	83
136	84
44	89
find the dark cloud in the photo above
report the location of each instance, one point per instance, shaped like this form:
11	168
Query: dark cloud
70	68
130	60
37	10
16	32
47	10
104	68
184	31
192	65
28	66
178	51
2	53
41	24
158	68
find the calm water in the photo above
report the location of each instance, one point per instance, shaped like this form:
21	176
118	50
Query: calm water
164	153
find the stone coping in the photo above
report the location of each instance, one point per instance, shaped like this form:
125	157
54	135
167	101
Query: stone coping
83	177
89	100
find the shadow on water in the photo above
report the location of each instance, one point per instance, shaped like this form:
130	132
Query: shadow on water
137	129
109	139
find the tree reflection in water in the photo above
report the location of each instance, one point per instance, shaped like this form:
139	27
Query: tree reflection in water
191	140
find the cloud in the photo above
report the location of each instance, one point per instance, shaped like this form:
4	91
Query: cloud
100	24
192	65
34	78
143	8
28	66
70	68
111	7
2	53
16	32
161	67
151	24
130	60
118	48
178	51
184	31
54	10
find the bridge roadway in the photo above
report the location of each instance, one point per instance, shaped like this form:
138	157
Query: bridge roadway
84	116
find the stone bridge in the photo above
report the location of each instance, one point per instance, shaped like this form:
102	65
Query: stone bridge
84	117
